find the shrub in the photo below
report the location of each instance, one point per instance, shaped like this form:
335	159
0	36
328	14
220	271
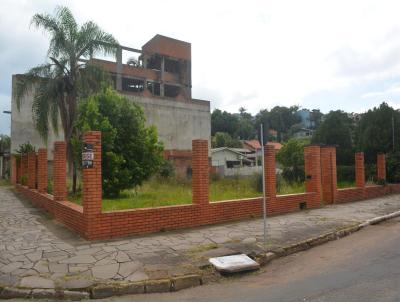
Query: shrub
291	157
167	169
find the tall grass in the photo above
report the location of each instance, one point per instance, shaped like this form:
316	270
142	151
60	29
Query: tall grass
166	192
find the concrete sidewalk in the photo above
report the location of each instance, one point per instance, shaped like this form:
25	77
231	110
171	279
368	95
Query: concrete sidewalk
37	252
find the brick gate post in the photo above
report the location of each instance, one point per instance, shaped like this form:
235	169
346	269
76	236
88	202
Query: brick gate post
381	166
328	174
360	169
14	176
32	170
200	172
92	186
24	168
60	171
42	170
312	169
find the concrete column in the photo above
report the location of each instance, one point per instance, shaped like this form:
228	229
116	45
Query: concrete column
60	171
92	186
42	170
381	166
31	170
270	172
328	174
119	69
200	175
312	169
360	170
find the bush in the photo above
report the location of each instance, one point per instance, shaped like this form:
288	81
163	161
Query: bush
167	169
131	152
291	157
293	174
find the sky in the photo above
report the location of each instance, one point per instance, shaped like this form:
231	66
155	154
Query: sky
255	54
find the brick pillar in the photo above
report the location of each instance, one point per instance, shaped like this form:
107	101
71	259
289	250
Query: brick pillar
328	174
200	171
24	168
60	171
14	172
42	170
270	172
31	170
381	166
92	187
360	170
312	169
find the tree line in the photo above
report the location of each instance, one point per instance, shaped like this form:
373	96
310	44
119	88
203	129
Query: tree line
374	131
233	127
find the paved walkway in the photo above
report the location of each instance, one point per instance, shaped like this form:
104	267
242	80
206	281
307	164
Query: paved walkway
36	251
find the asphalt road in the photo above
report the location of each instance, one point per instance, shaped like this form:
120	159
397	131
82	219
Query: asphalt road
362	267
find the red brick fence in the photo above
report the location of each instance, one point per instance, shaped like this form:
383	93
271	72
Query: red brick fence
90	222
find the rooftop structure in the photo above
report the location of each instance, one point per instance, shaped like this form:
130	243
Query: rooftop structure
162	69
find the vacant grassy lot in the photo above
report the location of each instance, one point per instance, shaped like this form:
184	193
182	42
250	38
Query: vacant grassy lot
155	193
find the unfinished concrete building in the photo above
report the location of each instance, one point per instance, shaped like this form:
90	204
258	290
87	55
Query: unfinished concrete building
159	79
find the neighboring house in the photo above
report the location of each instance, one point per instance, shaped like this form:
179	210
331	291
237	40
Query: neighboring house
253	145
303	133
230	157
306	120
234	161
160	81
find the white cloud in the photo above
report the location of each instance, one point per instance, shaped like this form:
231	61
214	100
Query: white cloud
393	90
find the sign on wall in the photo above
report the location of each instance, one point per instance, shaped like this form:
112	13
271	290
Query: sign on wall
87	156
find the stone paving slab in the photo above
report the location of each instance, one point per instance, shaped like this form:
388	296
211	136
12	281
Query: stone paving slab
35	249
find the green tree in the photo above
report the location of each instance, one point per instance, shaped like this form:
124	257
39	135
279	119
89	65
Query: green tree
5	143
222	139
67	76
223	121
245	129
374	133
291	157
282	119
131	152
337	129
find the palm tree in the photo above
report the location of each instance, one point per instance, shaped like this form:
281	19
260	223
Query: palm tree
68	74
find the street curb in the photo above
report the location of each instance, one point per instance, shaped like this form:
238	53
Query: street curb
109	289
